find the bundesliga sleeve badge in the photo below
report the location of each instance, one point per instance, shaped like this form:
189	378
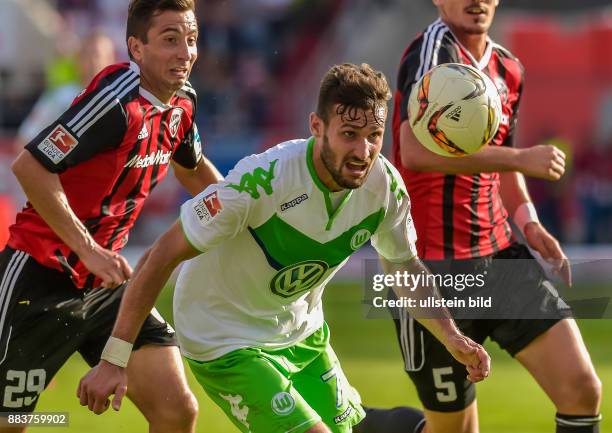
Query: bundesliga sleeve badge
207	207
58	144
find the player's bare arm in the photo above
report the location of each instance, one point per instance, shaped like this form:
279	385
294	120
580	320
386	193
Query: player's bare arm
142	291
140	296
515	196
543	161
443	327
44	190
197	179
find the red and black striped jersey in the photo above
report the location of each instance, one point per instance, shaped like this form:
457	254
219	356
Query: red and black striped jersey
110	149
457	216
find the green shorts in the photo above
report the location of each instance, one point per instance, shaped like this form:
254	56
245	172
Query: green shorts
282	391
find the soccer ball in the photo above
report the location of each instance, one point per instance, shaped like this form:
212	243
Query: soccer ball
454	109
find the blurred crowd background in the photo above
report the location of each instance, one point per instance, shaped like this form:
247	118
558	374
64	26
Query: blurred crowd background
258	72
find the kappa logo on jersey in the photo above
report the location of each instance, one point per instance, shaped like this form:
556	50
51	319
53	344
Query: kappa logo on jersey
175	121
344	415
298	278
155	158
249	182
359	238
213	204
283	403
240	413
58	144
293	202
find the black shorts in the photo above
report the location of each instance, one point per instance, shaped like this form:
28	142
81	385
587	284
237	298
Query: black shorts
44	319
529	307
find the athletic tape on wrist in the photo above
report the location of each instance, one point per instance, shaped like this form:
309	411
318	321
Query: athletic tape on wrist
525	213
117	351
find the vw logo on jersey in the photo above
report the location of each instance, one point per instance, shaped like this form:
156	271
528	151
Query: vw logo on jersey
359	238
283	403
298	278
175	121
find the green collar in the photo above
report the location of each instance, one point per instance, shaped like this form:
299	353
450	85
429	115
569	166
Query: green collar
331	212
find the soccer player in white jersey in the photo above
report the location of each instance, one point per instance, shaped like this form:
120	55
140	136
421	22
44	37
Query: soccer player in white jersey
263	244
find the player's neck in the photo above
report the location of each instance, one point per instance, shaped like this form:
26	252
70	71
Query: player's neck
164	95
476	44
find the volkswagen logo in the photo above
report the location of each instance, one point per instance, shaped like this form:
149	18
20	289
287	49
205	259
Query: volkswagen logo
298	278
283	403
359	238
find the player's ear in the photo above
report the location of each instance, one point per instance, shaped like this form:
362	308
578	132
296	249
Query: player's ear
135	48
316	125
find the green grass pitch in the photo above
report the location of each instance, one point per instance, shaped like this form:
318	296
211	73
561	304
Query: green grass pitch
371	359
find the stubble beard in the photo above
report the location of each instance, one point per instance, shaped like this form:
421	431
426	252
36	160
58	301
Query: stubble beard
329	159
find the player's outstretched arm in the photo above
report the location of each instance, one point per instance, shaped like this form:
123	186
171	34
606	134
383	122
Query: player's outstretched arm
516	200
543	161
197	179
439	321
45	192
109	376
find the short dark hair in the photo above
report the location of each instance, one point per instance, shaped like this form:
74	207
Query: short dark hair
352	86
140	13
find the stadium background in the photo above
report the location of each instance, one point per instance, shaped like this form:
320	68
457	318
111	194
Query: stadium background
257	76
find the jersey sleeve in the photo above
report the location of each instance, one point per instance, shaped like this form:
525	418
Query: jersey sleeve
189	152
95	122
225	209
433	48
395	239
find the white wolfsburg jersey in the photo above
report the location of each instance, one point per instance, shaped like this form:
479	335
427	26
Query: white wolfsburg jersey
272	239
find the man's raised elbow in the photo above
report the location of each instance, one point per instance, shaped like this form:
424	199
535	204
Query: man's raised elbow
18	166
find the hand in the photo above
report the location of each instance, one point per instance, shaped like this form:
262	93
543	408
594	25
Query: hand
99	383
471	354
544	161
548	247
112	268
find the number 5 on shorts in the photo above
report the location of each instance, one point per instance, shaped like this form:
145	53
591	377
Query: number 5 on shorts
448	391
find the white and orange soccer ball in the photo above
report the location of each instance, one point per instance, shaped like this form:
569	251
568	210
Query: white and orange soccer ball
454	109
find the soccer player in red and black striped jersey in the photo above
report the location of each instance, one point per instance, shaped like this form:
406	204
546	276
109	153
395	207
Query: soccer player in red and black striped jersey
86	177
460	209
